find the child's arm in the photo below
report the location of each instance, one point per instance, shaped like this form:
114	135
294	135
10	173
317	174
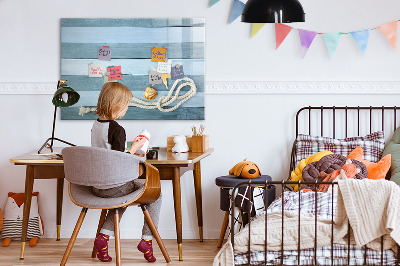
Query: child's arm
136	145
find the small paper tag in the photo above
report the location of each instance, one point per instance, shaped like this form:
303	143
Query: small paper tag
95	70
104	53
155	77
158	54
115	73
177	72
164	67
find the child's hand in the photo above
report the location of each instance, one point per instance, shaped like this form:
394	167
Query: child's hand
137	144
143	155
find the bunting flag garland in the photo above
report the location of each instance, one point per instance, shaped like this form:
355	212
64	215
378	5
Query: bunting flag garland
332	41
213	2
281	31
389	30
306	39
361	37
256	28
237	9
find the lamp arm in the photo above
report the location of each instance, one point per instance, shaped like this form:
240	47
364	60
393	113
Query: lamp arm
54	126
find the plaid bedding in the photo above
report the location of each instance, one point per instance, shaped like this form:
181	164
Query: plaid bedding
322	207
372	145
324	257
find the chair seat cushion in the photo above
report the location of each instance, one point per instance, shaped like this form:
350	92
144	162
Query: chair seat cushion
83	195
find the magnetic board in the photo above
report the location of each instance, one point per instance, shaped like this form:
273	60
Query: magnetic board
130	42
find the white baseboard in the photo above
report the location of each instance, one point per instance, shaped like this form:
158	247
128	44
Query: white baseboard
250	87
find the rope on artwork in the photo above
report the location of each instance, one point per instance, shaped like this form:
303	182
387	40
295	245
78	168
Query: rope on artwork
163	101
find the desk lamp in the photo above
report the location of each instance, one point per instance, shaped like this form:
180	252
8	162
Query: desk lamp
65	96
273	11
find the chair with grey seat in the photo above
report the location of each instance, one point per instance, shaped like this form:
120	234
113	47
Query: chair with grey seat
85	167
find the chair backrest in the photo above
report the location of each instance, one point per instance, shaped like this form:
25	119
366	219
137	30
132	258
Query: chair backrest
92	166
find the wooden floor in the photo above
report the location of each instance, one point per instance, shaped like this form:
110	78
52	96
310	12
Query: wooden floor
50	252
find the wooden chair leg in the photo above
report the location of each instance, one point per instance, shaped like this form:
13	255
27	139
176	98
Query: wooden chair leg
154	230
101	222
73	237
223	229
117	238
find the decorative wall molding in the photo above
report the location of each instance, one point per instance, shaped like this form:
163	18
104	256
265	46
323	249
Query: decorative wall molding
304	87
251	87
28	88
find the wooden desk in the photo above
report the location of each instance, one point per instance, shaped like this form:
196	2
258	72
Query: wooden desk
169	164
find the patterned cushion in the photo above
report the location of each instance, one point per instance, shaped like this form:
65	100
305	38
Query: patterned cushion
372	144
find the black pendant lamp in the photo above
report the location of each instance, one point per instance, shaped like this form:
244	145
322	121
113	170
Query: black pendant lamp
273	11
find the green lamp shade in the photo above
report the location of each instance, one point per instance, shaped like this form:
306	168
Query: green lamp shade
65	96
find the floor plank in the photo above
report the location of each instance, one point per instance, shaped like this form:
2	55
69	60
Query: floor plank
50	252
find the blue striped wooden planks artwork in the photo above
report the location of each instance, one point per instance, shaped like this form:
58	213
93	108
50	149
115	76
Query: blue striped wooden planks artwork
131	41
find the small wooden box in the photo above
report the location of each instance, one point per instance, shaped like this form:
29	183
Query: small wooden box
200	143
171	143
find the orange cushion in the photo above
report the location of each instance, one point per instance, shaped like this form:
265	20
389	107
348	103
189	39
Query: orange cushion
375	170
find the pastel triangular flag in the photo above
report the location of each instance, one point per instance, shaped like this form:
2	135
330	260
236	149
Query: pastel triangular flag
256	28
237	9
361	37
281	31
332	41
389	30
306	39
213	2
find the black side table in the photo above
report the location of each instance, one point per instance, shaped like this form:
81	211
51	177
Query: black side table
226	183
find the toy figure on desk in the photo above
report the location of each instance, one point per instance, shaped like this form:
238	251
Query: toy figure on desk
13	214
180	144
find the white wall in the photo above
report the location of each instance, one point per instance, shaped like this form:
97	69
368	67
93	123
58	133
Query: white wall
257	126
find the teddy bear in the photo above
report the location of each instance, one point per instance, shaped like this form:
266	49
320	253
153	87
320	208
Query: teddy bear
245	169
180	144
13	215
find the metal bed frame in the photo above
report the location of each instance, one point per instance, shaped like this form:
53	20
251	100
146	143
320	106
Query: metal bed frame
283	184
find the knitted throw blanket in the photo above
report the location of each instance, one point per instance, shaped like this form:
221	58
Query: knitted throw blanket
371	206
373	209
274	235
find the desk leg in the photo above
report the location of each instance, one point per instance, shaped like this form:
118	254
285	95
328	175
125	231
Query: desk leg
176	182
60	190
199	204
27	206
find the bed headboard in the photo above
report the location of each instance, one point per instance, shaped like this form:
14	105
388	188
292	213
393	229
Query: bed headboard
344	121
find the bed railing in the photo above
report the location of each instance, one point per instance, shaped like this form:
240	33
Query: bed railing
331	119
265	185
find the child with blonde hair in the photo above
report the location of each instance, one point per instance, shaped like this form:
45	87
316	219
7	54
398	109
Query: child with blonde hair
106	133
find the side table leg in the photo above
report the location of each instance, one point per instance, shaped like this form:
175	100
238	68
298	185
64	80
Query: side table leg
60	190
199	203
176	184
27	206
